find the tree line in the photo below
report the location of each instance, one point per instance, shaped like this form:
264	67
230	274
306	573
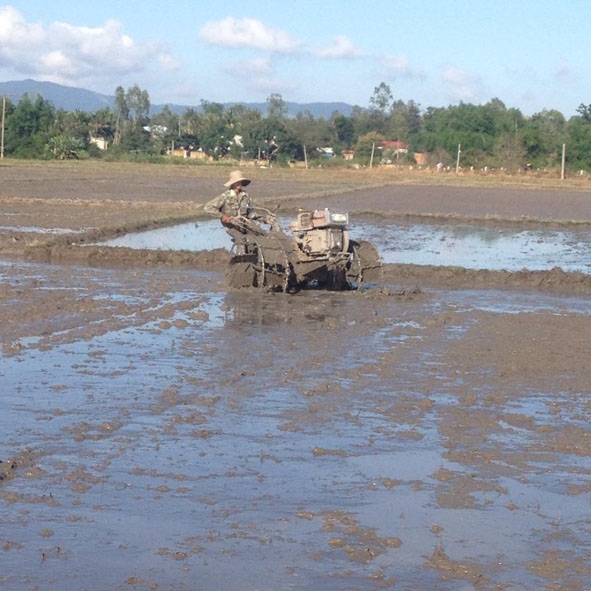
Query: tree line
490	135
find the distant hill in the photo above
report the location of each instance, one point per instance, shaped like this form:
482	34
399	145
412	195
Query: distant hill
62	97
80	99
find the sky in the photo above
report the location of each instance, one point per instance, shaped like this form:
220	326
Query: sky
530	54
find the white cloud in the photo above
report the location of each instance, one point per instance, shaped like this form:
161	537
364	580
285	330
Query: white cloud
342	47
56	61
168	61
398	66
248	32
463	86
66	54
14	31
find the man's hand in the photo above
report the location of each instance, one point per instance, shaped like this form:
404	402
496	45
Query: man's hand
226	219
273	223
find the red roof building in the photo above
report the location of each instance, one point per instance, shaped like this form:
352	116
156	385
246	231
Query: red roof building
396	145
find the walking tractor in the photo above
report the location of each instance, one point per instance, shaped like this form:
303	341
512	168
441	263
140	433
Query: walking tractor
319	252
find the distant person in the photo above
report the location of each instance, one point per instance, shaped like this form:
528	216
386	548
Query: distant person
233	203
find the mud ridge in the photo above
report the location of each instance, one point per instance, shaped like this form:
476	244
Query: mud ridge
63	251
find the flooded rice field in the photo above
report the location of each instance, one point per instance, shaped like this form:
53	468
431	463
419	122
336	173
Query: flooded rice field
162	431
165	433
471	246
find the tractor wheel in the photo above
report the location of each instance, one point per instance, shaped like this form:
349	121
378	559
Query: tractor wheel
241	274
365	265
259	268
273	268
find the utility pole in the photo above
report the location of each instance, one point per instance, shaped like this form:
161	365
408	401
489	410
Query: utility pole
562	173
458	160
2	131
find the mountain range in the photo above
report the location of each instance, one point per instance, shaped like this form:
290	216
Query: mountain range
79	99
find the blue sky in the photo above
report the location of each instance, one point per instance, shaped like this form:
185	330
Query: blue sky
532	55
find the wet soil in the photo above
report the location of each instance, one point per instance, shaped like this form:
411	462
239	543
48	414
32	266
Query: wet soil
162	431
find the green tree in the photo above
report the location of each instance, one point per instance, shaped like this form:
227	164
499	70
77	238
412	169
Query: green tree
212	130
73	124
543	136
398	128
63	147
471	126
578	142
311	133
510	152
166	118
188	122
121	107
165	129
404	121
585	112
138	103
361	122
368	145
28	127
381	99
135	141
244	122
344	130
276	106
380	104
271	139
9	110
504	120
121	111
132	108
102	125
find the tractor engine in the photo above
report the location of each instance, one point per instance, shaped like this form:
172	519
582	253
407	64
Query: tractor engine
319	252
321	233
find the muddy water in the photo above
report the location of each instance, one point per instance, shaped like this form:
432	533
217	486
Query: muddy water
451	244
178	435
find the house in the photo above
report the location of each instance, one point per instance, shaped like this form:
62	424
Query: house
100	142
190	152
155	130
397	146
420	158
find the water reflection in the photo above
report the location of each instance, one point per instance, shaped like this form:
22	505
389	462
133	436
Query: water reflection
461	245
260	308
191	236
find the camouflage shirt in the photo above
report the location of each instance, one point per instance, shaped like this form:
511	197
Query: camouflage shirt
228	203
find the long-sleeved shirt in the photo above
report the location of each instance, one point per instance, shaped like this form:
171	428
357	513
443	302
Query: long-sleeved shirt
228	203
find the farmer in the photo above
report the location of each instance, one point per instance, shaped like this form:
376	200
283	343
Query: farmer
235	202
